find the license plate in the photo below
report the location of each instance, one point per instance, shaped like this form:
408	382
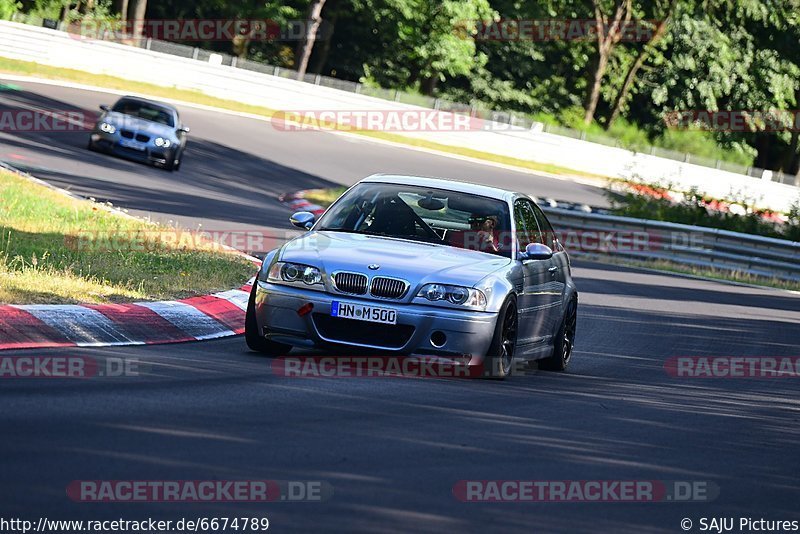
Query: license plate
360	312
133	145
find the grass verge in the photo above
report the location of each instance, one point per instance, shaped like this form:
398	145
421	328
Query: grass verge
28	68
324	197
50	253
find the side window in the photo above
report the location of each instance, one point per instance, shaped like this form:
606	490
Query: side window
550	237
523	236
527	226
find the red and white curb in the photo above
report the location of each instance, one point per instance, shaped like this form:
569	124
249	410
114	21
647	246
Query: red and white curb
297	202
141	323
26	326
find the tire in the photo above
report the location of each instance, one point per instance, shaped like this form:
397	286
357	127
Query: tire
564	342
255	341
177	166
500	356
91	146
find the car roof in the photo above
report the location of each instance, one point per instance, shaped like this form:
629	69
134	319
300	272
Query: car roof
147	101
443	183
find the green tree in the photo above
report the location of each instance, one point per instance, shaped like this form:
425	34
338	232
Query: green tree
8	8
427	41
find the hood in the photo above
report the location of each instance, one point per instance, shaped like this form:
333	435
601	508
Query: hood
120	120
413	261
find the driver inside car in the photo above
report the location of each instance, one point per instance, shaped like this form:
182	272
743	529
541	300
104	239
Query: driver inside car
483	232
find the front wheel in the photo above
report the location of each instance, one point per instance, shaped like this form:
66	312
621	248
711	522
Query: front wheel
255	341
500	356
564	342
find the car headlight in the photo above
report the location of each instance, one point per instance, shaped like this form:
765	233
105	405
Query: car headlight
162	142
462	296
107	128
295	274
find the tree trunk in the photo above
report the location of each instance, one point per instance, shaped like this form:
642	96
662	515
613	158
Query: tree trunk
121	7
605	47
597	84
306	46
64	15
86	7
789	159
767	155
634	70
428	85
136	11
622	96
321	57
239	45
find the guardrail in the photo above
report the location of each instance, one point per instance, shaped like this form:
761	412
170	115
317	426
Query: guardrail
642	239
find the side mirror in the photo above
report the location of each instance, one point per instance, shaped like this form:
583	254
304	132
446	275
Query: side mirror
184	129
536	251
104	107
303	219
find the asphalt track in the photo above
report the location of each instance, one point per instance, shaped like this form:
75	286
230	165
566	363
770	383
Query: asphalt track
392	449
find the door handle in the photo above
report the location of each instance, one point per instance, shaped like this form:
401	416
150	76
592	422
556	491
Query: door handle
552	269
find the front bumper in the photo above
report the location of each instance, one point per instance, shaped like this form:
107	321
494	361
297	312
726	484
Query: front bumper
468	333
112	143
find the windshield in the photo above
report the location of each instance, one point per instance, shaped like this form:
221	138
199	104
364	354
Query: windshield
143	110
423	214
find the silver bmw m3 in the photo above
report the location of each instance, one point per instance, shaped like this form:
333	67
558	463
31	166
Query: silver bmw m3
420	266
141	130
